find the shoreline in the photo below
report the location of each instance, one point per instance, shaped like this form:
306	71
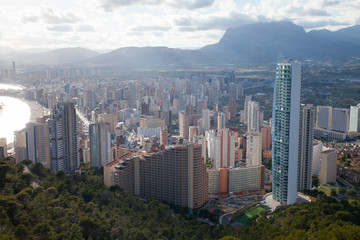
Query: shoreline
37	111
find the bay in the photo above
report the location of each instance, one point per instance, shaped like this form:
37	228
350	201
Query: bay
14	115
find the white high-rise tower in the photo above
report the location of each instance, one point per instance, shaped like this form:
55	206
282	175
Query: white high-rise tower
285	130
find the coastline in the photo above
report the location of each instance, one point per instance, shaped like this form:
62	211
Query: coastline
37	111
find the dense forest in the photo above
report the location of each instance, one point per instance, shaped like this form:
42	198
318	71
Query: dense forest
36	204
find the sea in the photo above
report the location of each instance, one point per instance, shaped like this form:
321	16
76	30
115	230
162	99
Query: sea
14	113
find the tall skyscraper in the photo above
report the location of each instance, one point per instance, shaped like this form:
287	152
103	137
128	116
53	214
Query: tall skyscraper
220	121
285	130
253	149
266	138
183	125
253	111
100	145
233	91
354	119
64	142
205	122
225	149
232	108
306	147
247	100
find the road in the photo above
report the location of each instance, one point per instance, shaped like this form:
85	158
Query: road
226	218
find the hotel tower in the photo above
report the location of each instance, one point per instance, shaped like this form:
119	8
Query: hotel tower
285	130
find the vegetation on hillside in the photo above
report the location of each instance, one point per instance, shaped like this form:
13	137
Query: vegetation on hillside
42	205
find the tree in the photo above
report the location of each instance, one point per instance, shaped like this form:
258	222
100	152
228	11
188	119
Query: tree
333	193
351	192
315	181
4	168
27	162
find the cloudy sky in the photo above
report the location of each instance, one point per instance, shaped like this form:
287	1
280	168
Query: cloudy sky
110	24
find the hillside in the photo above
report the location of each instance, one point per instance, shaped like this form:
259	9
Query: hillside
264	42
53	57
82	207
254	43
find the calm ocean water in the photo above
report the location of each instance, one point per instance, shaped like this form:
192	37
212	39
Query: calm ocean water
14	114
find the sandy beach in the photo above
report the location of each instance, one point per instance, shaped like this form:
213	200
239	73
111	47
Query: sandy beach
36	109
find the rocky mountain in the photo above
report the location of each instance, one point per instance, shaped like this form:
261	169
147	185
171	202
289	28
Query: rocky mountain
253	43
264	42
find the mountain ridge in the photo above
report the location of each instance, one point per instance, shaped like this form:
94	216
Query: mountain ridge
254	43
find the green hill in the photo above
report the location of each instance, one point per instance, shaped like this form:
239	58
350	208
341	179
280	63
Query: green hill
41	205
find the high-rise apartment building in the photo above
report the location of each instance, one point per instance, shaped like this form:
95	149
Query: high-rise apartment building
285	131
205	120
220	121
37	143
175	175
340	118
193	132
324	117
306	147
253	148
100	145
225	149
354	125
64	142
20	145
266	138
247	100
183	125
328	169
253	111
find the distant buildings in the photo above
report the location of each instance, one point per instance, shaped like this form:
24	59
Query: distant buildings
336	123
285	135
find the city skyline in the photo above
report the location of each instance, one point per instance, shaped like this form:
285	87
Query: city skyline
111	24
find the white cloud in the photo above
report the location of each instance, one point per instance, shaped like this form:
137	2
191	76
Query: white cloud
85	28
173	23
111	5
61	28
